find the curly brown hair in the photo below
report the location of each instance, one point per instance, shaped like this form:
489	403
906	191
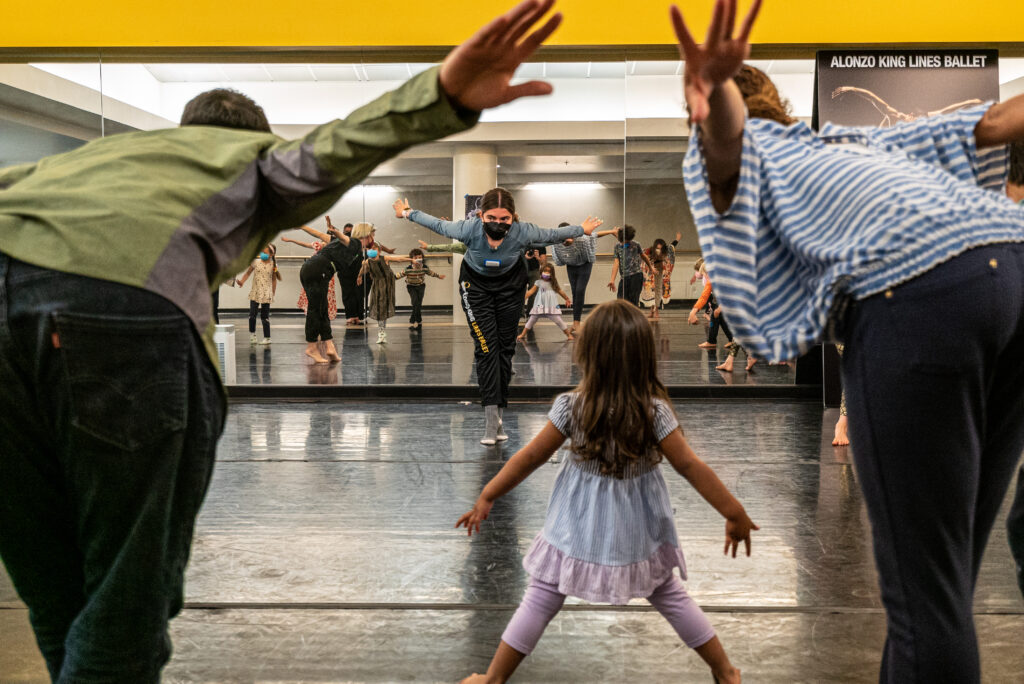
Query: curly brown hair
762	97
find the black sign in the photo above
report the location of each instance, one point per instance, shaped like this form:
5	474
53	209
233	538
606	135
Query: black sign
885	87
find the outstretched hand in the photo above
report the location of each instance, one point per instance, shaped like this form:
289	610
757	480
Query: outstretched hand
478	73
401	205
718	59
738	530
591	224
472	519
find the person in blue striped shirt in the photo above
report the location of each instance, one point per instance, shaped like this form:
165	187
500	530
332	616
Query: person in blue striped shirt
872	237
610	533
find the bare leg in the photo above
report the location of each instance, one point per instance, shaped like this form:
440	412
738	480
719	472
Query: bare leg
714	655
506	660
314	353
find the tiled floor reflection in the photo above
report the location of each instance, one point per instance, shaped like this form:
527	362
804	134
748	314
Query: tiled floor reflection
325	552
442	354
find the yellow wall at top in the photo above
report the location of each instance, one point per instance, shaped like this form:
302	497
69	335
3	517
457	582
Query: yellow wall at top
373	23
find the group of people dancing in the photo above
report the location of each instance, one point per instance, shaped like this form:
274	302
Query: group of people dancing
112	405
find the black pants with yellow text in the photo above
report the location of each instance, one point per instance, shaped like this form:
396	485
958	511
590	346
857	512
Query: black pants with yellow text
493	305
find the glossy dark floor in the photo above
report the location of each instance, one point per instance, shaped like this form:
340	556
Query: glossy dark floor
325	553
442	354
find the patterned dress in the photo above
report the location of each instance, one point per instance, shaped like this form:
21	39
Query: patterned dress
546	299
382	292
262	291
332	302
650	291
607	539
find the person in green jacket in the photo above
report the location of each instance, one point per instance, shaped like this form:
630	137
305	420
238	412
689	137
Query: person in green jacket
112	403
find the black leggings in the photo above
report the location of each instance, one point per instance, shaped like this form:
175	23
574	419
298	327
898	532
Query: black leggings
416	296
492	305
579	276
264	310
315	276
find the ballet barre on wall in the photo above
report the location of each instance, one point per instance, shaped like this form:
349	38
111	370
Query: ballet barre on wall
680	256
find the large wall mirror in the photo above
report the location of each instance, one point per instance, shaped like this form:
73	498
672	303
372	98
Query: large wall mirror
608	143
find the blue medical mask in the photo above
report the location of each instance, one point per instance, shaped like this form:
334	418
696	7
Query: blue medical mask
264	256
371	253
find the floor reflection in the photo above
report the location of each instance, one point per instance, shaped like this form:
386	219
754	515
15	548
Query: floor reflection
441	353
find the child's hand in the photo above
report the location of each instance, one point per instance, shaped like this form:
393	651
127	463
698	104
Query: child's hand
611	286
441	276
736	530
692	318
472	520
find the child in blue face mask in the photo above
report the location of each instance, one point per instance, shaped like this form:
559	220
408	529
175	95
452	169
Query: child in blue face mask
546	304
265	275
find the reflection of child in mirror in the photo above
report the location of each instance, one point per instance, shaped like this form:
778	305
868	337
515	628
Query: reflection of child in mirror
265	275
546	304
381	305
415	275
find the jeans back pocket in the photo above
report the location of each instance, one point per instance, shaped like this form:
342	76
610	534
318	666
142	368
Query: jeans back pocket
127	376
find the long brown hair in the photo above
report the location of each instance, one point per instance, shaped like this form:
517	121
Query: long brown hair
613	415
498	198
762	97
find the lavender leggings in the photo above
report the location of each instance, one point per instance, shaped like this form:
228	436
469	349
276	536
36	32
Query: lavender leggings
557	318
542	601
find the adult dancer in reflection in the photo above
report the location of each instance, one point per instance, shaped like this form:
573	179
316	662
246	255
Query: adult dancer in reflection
303	301
610	535
351	293
111	404
316	275
491	287
808	240
578	256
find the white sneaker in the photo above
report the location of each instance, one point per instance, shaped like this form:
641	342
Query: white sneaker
252	339
266	340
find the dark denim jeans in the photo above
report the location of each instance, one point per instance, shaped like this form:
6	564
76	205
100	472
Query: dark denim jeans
935	395
109	418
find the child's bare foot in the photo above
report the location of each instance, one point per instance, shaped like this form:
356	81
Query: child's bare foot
730	345
707	345
475	679
569	337
727	366
751	362
841	438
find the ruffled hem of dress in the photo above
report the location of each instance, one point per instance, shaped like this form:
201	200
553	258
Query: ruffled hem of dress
615	584
539	310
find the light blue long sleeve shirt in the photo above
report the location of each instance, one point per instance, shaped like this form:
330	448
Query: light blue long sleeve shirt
483	258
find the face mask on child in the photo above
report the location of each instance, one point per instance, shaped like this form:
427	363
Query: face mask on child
417	262
371	253
264	256
545	276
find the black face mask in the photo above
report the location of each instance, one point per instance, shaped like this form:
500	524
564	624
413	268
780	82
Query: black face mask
496	230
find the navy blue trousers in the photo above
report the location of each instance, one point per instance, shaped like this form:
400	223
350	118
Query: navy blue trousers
935	393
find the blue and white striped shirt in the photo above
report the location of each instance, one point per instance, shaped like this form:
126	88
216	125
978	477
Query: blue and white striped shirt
849	211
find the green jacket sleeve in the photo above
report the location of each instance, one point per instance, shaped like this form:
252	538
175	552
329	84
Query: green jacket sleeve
306	177
12	174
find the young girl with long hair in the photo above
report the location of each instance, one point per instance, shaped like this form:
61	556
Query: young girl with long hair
610	535
265	277
545	305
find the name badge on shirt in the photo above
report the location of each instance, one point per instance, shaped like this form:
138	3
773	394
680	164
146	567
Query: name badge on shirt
492	263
